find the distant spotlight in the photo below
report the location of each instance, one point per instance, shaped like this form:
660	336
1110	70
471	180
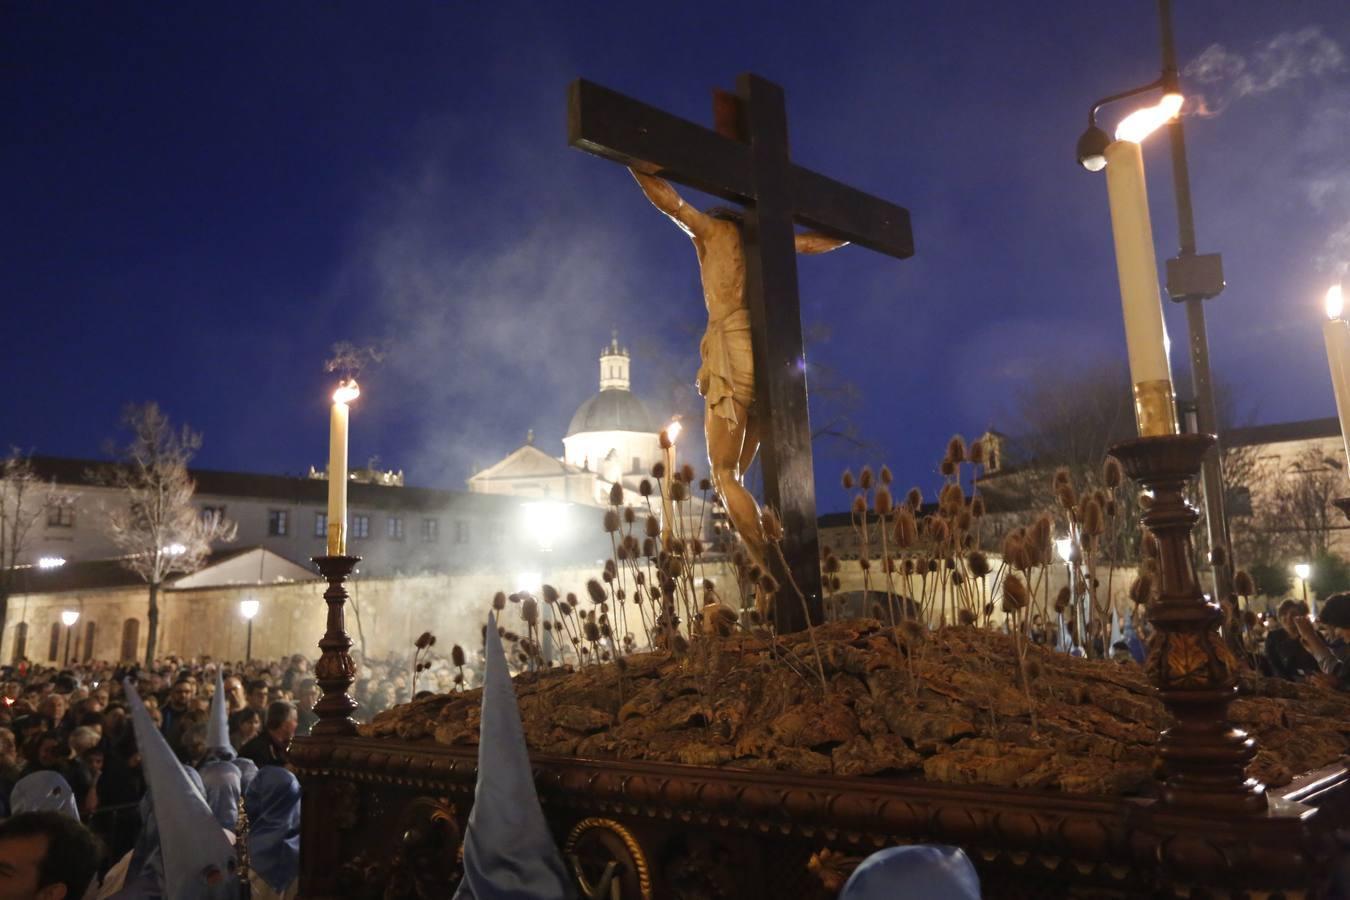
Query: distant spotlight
51	562
175	549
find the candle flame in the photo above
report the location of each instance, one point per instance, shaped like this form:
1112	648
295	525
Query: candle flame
1143	122
673	431
1335	302
347	391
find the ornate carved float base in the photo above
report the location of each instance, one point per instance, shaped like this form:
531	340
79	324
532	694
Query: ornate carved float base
382	819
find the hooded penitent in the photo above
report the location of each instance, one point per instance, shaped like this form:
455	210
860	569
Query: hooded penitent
43	791
223	789
509	853
197	859
218	725
273	807
917	872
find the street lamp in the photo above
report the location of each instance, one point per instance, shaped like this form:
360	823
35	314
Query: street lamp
68	618
1304	572
1191	279
248	609
545	521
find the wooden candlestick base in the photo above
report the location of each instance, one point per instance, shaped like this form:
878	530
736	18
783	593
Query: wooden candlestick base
335	672
1205	756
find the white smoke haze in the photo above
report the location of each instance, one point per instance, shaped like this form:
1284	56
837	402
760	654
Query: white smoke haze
1285	58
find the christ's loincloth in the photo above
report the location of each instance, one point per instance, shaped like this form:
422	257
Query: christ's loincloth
728	370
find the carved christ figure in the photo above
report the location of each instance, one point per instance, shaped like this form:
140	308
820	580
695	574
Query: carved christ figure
726	378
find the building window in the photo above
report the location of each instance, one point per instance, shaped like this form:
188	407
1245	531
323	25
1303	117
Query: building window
55	644
20	642
431	530
213	514
637	465
131	637
61	514
393	528
321	524
90	629
461	531
277	520
360	526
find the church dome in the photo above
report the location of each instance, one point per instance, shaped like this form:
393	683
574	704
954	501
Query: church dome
612	410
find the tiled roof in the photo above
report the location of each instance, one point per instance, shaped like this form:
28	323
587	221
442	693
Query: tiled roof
1280	432
288	489
96	574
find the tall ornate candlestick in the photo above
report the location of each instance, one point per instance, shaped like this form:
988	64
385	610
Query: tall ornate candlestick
335	672
1205	756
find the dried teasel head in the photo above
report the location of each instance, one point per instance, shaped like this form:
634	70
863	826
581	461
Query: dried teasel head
1060	477
1243	585
652	529
885	475
964	520
978	564
768	584
865	478
957	578
914	499
645	488
965	616
956	449
687	473
831	564
1141	589
1218	556
882	502
977	506
906	528
1014	549
1015	593
658	470
1112	473
1066	496
616	494
499	601
592	631
611	521
1063	599
847	479
705	485
947	467
772	525
629	515
596	591
859	507
529	611
457	655
549	593
1094	521
976	452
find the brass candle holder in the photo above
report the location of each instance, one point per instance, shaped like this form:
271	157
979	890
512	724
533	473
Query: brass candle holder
335	672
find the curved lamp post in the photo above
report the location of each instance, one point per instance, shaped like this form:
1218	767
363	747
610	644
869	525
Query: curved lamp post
248	609
68	618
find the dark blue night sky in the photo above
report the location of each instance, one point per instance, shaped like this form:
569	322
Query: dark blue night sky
200	199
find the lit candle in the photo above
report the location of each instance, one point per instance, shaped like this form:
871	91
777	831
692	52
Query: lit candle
1337	335
1137	267
668	438
346	392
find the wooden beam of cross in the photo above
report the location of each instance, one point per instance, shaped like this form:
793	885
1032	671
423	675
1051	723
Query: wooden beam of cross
745	160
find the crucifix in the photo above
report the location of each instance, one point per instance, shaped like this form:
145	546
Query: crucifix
745	160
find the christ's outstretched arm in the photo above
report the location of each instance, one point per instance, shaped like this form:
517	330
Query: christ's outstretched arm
815	242
664	198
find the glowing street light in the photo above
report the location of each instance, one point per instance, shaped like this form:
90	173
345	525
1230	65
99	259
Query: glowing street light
669	435
68	618
51	562
175	549
248	609
1336	333
544	522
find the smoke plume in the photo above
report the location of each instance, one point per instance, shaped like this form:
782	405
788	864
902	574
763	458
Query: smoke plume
1287	57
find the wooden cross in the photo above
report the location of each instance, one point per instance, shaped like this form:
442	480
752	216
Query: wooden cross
745	160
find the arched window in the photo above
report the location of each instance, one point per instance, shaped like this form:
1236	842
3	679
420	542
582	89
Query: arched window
55	644
20	642
89	630
131	637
